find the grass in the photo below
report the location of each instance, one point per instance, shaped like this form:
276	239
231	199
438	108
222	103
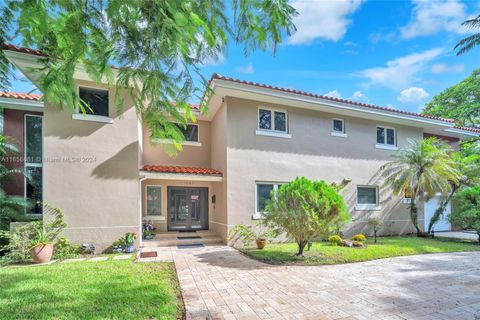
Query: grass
91	290
323	253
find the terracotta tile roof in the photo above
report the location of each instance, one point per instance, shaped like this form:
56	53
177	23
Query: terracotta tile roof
22	96
476	130
181	170
313	95
12	47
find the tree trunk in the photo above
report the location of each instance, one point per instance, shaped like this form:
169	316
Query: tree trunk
414	214
440	210
301	246
375	236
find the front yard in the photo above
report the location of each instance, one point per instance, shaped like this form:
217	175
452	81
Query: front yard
323	253
87	290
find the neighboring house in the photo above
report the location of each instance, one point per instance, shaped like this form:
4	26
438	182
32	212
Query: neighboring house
107	176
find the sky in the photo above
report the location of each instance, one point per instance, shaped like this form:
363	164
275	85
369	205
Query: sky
396	54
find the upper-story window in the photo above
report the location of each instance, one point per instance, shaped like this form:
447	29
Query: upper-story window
97	99
338	128
272	120
386	137
190	132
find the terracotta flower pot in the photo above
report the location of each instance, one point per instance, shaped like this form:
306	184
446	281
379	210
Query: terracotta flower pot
261	243
42	253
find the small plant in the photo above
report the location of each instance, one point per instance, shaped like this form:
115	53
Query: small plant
117	246
359	237
375	224
63	249
248	234
149	230
129	240
335	240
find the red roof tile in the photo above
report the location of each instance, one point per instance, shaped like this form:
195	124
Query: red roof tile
23	96
12	47
308	94
476	130
181	170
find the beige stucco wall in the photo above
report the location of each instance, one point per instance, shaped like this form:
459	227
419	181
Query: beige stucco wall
192	156
311	152
91	173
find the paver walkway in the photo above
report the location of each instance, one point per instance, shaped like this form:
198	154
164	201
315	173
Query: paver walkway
219	283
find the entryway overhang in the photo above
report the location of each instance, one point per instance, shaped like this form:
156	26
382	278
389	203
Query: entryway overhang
181	173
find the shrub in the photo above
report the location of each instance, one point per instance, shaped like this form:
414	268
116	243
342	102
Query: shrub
466	210
304	210
335	240
375	224
359	237
63	249
248	234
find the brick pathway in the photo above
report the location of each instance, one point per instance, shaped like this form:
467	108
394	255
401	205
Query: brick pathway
219	283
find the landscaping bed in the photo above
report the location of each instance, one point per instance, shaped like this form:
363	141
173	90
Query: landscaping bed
86	290
323	253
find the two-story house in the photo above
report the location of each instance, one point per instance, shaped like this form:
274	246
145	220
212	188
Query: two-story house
107	176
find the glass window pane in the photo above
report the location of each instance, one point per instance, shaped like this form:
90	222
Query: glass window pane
33	139
190	133
367	195
97	100
280	121
265	119
263	195
338	125
391	136
380	135
154	201
34	188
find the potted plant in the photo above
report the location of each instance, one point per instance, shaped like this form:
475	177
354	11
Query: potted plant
45	234
117	246
248	234
129	242
148	231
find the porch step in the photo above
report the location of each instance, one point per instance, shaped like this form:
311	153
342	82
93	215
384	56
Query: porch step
161	240
174	234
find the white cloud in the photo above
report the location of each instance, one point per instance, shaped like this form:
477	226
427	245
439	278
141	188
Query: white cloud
400	72
246	69
413	96
334	94
325	20
360	97
430	17
445	68
214	61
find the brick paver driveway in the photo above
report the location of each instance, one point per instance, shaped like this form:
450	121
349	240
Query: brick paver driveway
220	283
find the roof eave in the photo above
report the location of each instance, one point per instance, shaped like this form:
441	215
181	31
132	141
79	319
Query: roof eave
181	176
21	104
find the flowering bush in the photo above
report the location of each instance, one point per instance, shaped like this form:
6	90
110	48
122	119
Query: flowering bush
148	229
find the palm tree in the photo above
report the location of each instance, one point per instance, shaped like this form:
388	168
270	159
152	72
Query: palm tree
469	42
423	167
469	168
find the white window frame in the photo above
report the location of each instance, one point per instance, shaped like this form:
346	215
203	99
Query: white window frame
185	142
30	164
161	216
272	132
385	145
92	117
368	206
258	215
335	133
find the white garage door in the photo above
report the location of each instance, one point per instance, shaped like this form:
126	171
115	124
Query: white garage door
430	206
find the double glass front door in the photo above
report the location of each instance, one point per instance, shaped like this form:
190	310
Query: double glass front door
187	208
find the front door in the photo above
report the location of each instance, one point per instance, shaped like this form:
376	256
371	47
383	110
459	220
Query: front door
187	208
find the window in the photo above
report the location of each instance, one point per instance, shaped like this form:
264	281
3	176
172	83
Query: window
263	195
367	198
33	162
97	99
190	132
386	136
154	200
338	125
274	120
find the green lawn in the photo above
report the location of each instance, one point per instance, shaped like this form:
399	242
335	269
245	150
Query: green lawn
91	290
324	253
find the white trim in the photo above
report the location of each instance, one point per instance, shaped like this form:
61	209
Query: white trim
179	176
183	143
271	133
338	134
21	104
386	147
146	202
258	215
91	117
368	206
272	119
325	102
30	164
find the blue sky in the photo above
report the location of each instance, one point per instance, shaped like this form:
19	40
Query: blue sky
389	53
